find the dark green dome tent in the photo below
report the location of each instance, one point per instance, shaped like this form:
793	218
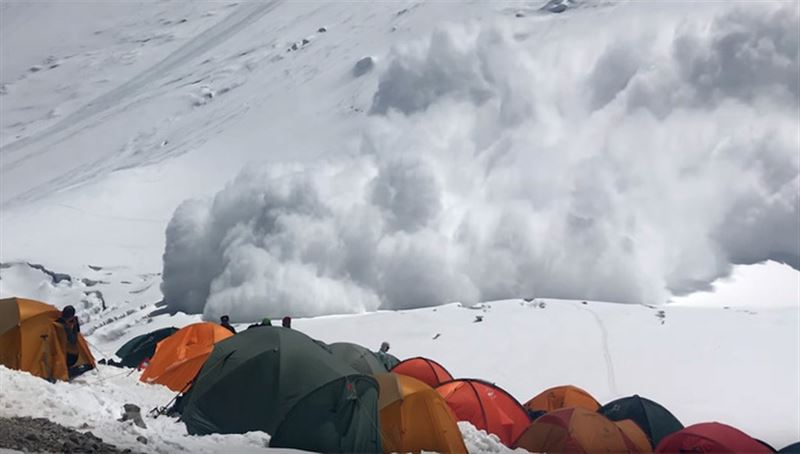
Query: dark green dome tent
359	358
792	448
656	421
133	352
282	382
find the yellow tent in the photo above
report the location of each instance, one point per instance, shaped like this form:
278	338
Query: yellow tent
562	397
414	417
635	434
32	340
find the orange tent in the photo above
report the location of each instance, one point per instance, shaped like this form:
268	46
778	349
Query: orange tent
562	397
635	434
574	430
415	418
426	370
32	340
487	407
180	357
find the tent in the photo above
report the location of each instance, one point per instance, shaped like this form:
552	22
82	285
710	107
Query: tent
574	430
32	340
426	370
710	437
561	397
359	358
486	406
656	421
280	381
793	448
635	434
179	357
136	350
415	418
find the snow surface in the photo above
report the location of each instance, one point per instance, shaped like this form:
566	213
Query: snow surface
152	104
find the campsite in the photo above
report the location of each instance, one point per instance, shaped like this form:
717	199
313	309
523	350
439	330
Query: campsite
330	396
399	226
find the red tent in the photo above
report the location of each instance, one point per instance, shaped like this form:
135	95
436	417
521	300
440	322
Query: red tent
710	437
487	407
425	370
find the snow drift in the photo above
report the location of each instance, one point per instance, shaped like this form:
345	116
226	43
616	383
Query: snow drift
523	159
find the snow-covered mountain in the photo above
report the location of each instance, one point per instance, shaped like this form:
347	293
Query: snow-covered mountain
613	151
166	161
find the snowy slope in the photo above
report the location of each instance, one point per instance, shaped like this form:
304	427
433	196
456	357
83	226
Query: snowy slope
110	97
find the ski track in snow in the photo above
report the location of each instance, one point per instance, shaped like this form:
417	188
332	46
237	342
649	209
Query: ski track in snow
115	218
610	374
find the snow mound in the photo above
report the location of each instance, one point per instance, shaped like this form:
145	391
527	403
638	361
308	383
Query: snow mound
94	402
477	440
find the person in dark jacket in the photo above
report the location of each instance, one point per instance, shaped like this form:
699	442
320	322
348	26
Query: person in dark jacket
72	328
287	322
225	321
388	360
383	353
264	322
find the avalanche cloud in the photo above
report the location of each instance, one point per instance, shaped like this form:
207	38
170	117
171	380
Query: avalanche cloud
626	161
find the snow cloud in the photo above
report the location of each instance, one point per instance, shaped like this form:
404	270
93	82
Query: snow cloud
632	164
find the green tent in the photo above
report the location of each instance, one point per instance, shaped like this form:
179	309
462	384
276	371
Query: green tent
133	352
656	421
280	381
359	358
791	449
